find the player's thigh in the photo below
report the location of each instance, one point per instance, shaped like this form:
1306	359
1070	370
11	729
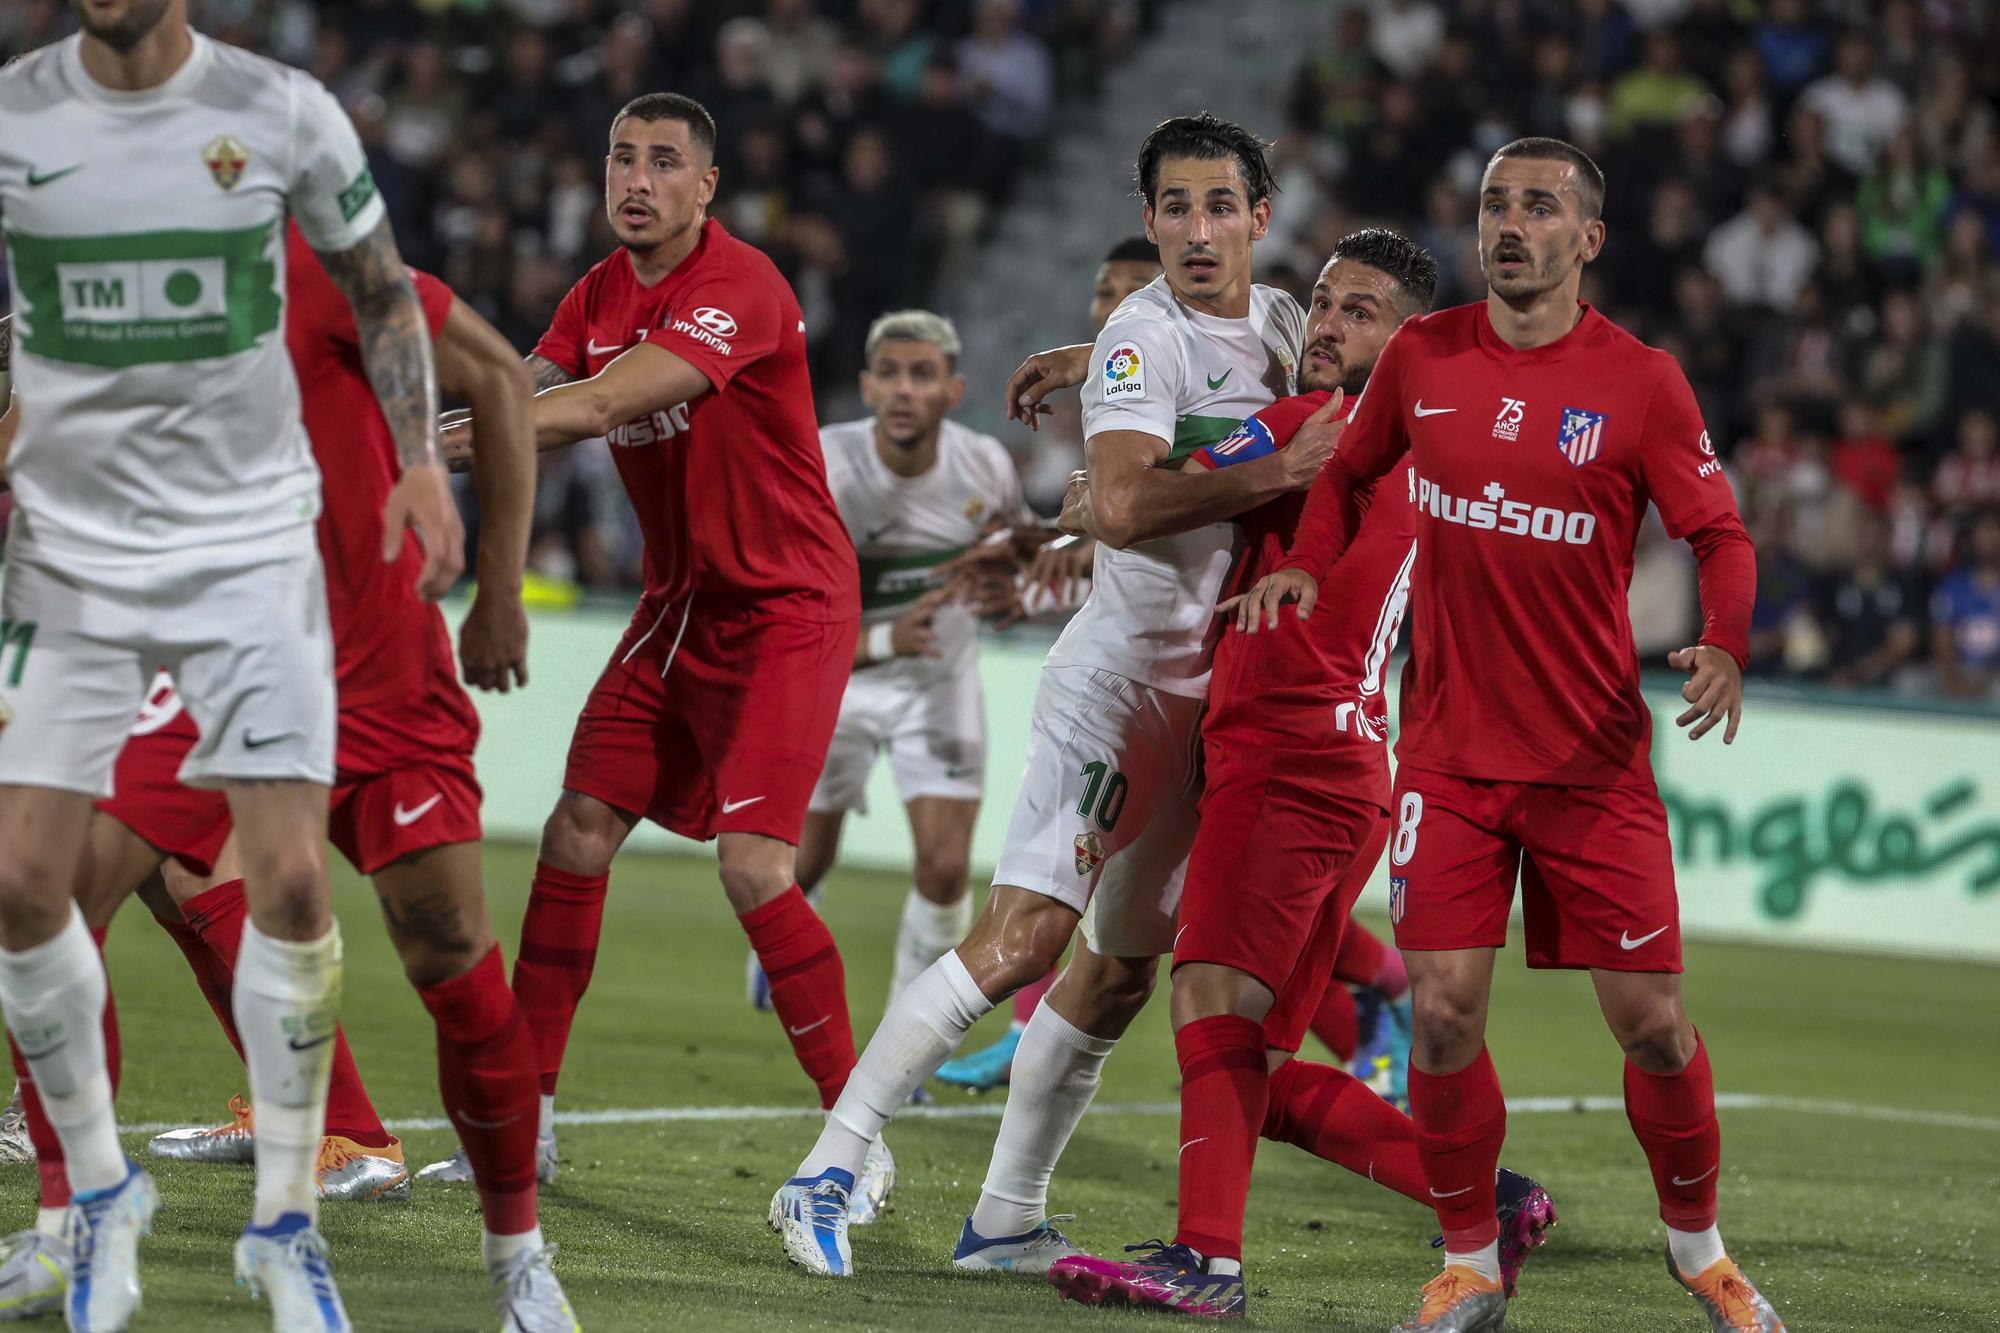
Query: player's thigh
183	882
116	862
1016	939
434	903
72	679
1452	861
859	734
251	652
1597	888
941	833
1365	833
42	834
1106	757
819	845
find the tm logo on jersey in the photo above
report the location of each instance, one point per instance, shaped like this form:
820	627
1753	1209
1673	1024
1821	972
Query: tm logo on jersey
1582	435
1496	513
1123	375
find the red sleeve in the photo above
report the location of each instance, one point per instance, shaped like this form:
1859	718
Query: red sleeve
1728	578
563	343
435	297
1678	459
1371	442
725	324
314	307
1262	433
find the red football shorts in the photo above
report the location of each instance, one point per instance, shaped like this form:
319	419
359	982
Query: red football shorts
189	824
1274	873
403	775
709	721
1595	865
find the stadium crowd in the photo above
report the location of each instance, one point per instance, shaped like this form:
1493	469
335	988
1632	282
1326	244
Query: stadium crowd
1808	216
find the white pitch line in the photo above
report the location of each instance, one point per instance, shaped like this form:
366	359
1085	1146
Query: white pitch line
990	1110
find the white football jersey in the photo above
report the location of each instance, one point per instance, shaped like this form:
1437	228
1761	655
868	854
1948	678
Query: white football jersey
905	527
146	240
1188	378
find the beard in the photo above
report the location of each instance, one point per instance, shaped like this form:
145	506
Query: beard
141	17
1532	279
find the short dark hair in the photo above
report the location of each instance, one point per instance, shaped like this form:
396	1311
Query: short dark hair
1390	252
1206	137
1133	250
1590	176
651	107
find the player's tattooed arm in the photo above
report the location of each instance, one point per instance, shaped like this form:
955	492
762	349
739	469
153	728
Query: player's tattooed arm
645	379
546	373
396	349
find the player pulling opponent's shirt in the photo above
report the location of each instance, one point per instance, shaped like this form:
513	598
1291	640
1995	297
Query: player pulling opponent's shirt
927	711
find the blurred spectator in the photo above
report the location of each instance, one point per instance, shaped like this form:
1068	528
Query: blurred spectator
1902	206
1747	128
1965	616
1008	74
1903	372
1862	459
1870	615
800	46
1762	255
1969	476
1782	637
1862	110
1659	92
1405	35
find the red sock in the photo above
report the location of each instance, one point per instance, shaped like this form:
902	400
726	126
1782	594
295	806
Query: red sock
1338	1118
1224	1089
486	1070
210	973
50	1166
558	952
1673	1116
217	915
1030	995
1461	1123
1335	1023
1366	961
808	987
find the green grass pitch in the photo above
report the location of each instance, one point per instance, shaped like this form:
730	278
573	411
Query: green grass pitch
1849	1222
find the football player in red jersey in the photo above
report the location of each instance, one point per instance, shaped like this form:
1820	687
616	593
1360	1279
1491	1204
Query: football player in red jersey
405	804
686	350
1539	431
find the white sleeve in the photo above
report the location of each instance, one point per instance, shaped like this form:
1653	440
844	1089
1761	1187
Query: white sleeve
330	191
1135	379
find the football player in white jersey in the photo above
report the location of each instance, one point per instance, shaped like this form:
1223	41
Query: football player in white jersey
165	507
916	490
1106	810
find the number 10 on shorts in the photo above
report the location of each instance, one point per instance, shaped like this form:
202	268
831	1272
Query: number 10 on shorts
1103	794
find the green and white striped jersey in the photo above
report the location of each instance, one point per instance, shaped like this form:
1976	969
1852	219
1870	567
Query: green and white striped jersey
905	527
1187	378
146	243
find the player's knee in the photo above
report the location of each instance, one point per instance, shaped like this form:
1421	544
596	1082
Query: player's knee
1655	1038
940	875
34	896
289	895
581	835
748	886
1448	1028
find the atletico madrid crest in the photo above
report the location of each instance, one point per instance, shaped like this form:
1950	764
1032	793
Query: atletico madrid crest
1582	435
226	158
1089	853
1399	886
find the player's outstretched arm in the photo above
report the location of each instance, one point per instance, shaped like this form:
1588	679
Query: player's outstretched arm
1041	375
477	364
644	380
396	349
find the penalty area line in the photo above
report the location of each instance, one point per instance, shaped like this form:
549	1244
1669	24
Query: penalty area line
991	1109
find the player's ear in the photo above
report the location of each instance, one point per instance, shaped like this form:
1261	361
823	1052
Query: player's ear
1147	213
706	192
1260	219
955	392
1593	239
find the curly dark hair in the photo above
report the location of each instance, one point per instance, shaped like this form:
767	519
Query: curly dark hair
1395	254
1206	137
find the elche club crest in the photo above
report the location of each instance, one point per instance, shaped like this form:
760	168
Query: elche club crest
1089	852
226	157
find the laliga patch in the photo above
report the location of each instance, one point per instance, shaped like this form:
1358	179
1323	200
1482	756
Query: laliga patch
1398	895
1089	853
1248	441
1124	374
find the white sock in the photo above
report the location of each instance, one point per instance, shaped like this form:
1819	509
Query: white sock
545	1125
926	931
924	1025
1694	1250
1056	1072
54	997
1485	1262
1221	1266
49	1221
286	1001
502	1249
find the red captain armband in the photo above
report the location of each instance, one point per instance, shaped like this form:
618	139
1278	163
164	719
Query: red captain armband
1261	434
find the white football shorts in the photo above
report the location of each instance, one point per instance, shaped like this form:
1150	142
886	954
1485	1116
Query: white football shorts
933	729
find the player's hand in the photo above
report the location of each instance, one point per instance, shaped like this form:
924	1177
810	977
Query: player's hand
1041	375
455	441
990	594
1258	608
493	641
1714	691
422	502
1075	515
911	635
1064	558
1313	443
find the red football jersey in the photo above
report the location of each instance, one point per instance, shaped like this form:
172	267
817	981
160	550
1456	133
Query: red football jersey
762	529
386	638
1533	471
1308	700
